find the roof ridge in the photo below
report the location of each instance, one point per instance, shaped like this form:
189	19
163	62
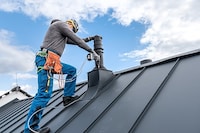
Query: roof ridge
18	89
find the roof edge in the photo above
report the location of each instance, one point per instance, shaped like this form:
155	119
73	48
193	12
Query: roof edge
17	88
171	58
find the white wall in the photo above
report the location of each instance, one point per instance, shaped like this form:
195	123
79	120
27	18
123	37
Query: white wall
11	96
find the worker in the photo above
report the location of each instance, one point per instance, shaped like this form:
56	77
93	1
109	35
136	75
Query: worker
48	63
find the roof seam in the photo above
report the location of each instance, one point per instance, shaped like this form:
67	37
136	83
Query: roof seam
82	85
10	113
142	114
15	119
114	101
98	118
75	115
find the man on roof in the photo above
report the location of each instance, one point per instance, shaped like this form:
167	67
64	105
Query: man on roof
48	63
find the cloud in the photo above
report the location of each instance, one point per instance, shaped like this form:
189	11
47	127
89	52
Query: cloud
173	26
27	88
14	59
9	5
56	9
24	76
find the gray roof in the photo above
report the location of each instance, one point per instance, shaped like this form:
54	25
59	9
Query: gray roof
157	97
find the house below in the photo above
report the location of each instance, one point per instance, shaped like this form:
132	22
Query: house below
15	93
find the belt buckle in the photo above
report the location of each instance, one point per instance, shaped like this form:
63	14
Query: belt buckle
44	50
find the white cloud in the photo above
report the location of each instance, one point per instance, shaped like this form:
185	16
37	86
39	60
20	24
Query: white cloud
14	59
27	88
174	26
23	76
9	5
56	9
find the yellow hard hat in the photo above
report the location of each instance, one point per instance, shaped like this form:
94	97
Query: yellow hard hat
74	23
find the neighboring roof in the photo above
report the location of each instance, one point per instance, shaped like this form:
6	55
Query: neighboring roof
15	93
157	97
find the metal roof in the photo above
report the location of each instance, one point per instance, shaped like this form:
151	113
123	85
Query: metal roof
157	97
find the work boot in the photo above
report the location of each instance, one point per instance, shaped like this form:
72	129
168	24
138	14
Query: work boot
44	130
69	99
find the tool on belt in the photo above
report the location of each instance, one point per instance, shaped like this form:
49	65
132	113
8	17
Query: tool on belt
53	63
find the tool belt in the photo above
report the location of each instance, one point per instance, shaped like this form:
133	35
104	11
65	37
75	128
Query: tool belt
52	61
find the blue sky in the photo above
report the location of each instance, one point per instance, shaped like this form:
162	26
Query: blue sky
132	30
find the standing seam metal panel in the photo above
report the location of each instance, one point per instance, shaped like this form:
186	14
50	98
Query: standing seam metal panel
154	97
177	107
128	108
97	106
113	102
10	124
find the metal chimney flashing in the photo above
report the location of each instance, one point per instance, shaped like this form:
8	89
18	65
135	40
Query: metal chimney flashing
97	79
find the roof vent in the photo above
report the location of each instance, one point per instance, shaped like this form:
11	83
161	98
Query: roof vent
98	49
145	61
99	76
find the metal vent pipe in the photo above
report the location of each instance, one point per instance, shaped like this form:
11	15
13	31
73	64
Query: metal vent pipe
98	48
145	61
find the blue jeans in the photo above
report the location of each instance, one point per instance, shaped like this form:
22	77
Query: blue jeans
44	92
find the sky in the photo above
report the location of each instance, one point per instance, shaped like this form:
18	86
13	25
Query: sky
132	30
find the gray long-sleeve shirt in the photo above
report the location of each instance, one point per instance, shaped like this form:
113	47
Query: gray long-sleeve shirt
58	35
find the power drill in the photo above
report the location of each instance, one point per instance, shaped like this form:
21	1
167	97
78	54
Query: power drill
94	56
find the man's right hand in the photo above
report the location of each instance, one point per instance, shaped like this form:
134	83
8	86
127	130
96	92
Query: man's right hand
96	56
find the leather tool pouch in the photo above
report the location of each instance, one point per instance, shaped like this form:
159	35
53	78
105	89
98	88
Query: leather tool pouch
53	63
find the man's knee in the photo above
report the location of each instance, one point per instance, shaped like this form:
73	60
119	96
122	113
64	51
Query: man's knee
74	70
